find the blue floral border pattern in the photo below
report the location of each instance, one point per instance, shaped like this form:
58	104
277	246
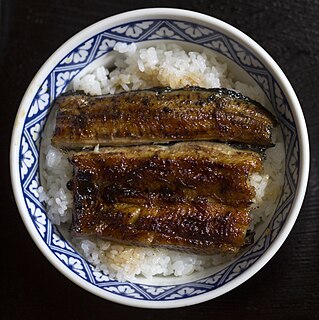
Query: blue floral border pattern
57	81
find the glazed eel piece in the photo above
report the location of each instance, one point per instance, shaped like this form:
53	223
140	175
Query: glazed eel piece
188	196
160	115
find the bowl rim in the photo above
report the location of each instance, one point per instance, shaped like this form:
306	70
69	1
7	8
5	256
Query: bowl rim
198	18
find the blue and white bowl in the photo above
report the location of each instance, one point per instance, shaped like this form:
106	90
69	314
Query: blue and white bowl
85	50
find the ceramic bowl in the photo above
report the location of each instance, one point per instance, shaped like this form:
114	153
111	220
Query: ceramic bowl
86	50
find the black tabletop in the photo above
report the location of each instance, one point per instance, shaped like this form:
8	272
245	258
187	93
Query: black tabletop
286	288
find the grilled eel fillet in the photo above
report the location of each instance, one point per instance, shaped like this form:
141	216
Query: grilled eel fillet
188	196
160	115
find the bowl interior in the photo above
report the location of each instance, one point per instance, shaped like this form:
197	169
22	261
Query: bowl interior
97	50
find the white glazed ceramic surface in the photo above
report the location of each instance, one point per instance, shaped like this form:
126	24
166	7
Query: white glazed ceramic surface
87	49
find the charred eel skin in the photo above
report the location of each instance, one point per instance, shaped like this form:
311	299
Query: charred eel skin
191	196
160	115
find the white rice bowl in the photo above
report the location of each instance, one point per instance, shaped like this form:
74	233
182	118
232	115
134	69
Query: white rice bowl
160	65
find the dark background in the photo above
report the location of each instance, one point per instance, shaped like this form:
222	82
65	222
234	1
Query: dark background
286	288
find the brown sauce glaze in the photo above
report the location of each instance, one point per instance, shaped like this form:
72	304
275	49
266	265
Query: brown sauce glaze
155	115
188	196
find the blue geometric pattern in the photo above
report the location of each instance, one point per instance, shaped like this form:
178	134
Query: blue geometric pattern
57	81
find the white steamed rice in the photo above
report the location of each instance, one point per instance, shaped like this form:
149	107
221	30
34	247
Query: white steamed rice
162	65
